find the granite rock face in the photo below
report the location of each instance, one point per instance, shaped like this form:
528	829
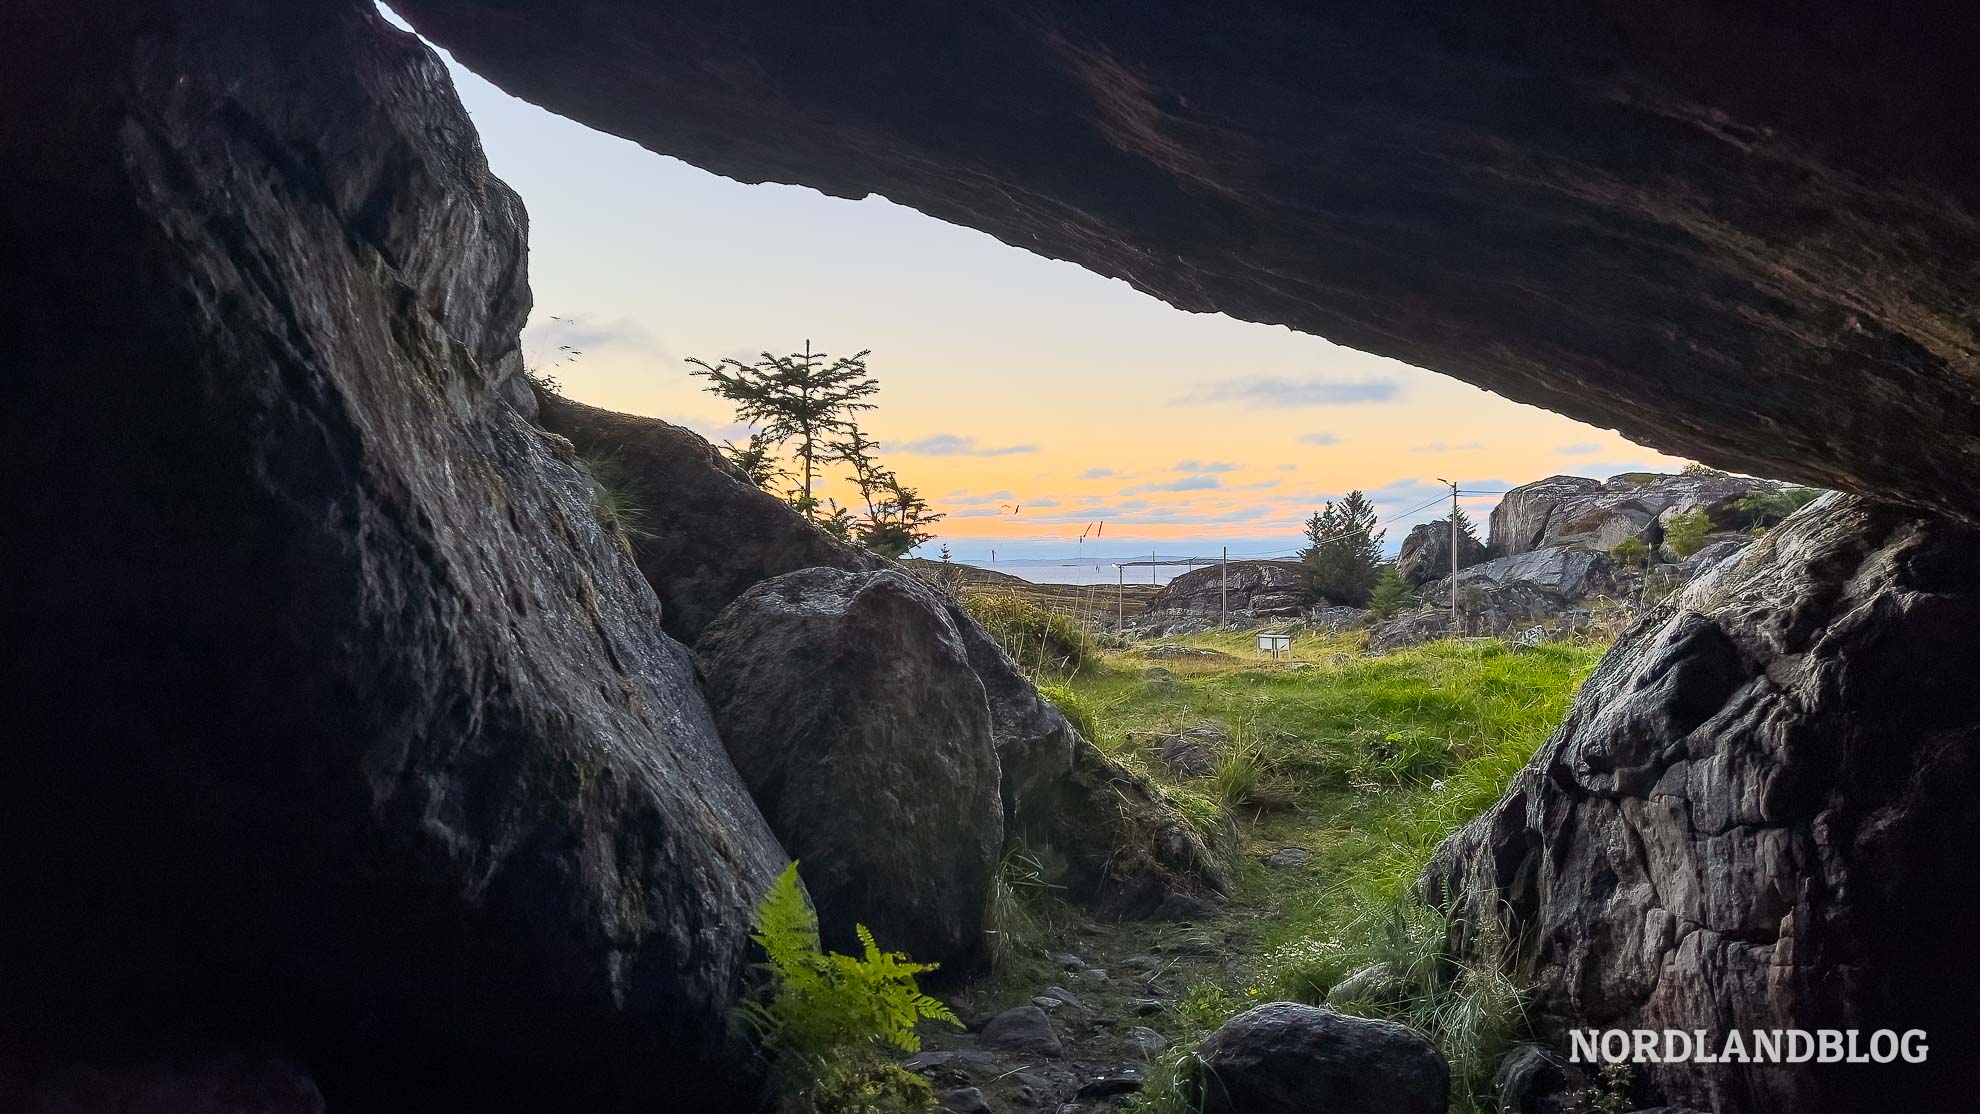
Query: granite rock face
1758	816
1729	232
348	728
708	533
849	706
1506	595
1577	511
1425	555
1252	590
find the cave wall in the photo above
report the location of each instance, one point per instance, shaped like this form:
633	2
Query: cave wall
1757	815
337	724
1745	233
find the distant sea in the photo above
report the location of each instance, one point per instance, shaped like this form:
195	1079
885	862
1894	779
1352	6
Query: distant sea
1087	572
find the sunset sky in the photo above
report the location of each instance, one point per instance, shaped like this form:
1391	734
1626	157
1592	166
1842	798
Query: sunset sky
1007	379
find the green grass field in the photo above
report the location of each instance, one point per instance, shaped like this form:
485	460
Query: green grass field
1365	762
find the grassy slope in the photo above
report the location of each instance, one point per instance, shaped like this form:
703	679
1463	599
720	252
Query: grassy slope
1365	762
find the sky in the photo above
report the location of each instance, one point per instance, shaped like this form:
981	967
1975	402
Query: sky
1026	398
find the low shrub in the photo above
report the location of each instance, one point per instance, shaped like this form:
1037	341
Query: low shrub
1684	534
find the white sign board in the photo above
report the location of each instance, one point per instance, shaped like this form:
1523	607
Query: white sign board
1275	644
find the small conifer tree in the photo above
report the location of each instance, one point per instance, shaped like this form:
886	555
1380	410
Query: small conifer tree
800	397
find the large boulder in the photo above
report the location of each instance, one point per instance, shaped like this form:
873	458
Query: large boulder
708	534
1425	555
342	727
1574	510
1285	1058
849	706
1757	815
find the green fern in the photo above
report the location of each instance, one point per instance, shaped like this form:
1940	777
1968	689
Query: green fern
819	1004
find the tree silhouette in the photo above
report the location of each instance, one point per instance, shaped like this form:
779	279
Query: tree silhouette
800	397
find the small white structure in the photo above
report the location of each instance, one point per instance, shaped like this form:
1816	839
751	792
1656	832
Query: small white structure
1274	643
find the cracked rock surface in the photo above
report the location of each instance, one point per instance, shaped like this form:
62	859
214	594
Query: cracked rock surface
1758	814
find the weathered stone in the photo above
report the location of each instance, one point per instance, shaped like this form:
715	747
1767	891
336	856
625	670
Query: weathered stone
1576	511
848	705
963	1100
347	728
1377	982
1426	553
1192	753
1531	1079
1241	595
1022	1029
1112	1085
708	533
1284	1058
1148	1041
1505	595
1757	816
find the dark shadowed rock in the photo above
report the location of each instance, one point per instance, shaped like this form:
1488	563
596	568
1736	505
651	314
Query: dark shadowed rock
1532	1079
849	706
1758	816
233	1083
709	534
964	1100
1023	1029
1425	555
347	729
1284	1058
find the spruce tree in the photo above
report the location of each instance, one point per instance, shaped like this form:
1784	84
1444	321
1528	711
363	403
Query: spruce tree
800	397
897	516
1343	550
1391	592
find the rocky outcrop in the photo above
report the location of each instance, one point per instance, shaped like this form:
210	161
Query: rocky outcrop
347	729
1285	1058
1245	592
849	706
1758	816
1727	234
1577	511
1059	793
1426	553
1556	587
708	534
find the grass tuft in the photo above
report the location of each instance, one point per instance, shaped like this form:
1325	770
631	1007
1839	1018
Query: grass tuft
1040	641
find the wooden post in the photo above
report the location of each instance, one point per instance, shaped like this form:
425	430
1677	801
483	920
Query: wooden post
1224	591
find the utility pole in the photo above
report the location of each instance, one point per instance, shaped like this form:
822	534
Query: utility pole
1457	630
1224	591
